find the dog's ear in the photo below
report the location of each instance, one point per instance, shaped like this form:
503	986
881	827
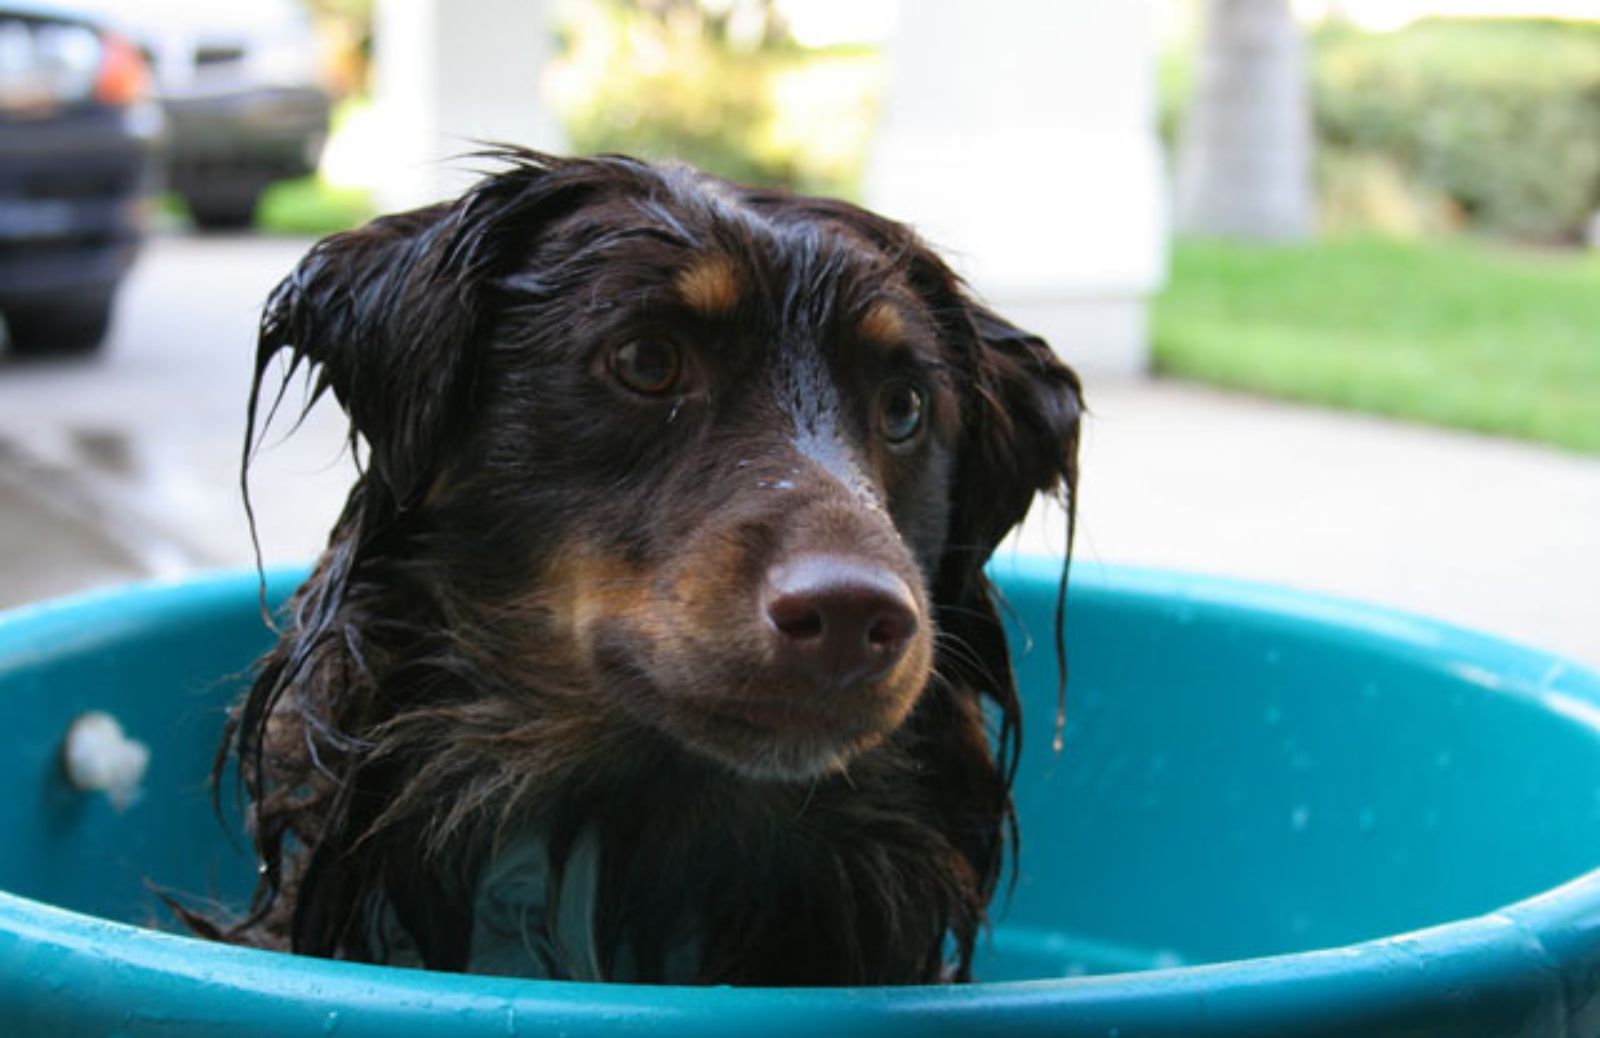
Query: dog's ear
1019	436
369	311
1020	431
389	315
1020	418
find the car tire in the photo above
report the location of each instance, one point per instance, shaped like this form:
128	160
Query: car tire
75	326
229	211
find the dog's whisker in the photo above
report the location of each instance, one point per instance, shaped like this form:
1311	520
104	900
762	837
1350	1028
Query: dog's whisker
961	651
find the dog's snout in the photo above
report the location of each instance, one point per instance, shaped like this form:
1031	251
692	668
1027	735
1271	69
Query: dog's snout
839	620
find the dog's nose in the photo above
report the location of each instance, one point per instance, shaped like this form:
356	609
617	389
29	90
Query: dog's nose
839	620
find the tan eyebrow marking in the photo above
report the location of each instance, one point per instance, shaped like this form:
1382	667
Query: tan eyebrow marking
882	324
711	285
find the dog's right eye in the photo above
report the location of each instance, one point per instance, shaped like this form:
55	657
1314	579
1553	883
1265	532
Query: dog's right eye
650	367
900	411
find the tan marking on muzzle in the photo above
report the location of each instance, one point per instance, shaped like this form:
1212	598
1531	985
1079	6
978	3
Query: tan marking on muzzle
710	592
584	585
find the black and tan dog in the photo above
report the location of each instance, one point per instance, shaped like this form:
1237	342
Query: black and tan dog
653	642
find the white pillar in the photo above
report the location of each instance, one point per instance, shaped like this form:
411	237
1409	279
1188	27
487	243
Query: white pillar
450	75
1020	138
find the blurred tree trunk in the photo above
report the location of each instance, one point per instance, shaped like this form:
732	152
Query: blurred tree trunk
1244	153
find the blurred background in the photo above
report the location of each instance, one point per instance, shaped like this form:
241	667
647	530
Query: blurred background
1327	267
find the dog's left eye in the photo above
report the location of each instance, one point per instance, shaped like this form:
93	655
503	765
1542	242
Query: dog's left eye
648	367
901	406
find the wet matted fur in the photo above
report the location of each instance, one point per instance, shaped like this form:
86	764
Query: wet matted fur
538	709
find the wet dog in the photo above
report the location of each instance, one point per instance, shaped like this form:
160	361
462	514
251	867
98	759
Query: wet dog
653	642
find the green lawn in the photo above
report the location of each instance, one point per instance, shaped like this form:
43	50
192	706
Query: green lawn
1456	333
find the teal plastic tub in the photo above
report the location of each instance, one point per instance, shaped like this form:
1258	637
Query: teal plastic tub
1275	815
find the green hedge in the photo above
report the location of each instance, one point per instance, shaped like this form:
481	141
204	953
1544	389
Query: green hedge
1499	119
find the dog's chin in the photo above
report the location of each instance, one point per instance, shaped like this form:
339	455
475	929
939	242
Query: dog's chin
790	740
774	753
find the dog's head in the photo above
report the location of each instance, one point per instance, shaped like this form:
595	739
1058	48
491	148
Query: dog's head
733	459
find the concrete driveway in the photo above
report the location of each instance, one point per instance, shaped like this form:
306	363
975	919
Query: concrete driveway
126	466
1486	533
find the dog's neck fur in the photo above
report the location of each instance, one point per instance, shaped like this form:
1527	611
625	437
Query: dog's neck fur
674	870
685	874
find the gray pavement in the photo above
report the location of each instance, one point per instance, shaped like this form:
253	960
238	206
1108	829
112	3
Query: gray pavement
127	465
1490	534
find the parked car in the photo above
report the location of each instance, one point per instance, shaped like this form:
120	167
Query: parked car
242	87
78	134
